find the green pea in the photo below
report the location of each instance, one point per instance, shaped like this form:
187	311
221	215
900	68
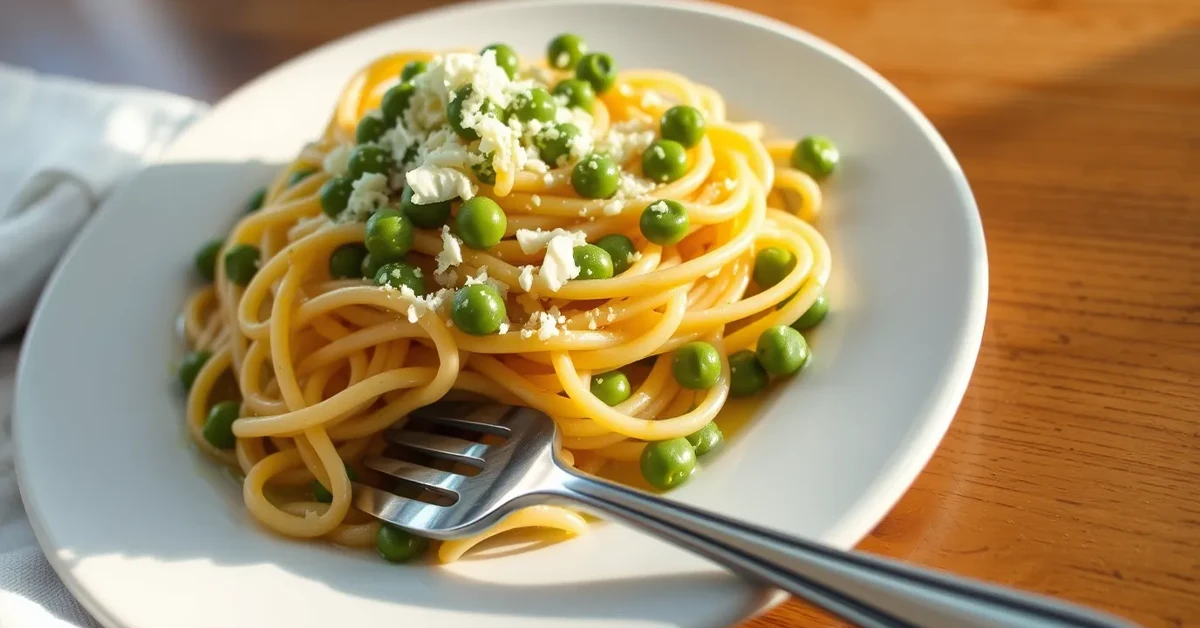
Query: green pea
395	102
599	69
335	195
668	463
771	265
299	176
579	93
481	223
369	129
398	546
369	158
389	235
506	58
595	176
371	265
190	367
412	69
593	262
427	216
485	170
816	155
611	388
241	262
664	161
565	50
322	494
781	350
256	200
664	222
683	124
620	250
696	365
401	275
478	310
746	376
218	425
206	259
535	104
454	112
346	261
706	438
554	143
813	315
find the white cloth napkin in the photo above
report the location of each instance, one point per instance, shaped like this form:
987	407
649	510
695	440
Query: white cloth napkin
64	144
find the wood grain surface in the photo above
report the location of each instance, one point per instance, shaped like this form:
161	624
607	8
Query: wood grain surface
1073	465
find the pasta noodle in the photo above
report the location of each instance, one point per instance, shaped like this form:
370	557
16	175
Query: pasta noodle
325	359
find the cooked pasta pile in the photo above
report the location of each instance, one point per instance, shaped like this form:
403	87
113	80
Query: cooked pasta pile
602	245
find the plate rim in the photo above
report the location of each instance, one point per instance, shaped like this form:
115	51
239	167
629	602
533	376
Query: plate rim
899	472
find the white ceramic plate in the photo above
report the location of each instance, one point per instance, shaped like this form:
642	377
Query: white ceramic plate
148	534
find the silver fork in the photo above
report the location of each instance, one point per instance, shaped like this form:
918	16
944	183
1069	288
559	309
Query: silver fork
525	470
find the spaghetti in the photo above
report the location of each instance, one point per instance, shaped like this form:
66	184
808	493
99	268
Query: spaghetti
616	254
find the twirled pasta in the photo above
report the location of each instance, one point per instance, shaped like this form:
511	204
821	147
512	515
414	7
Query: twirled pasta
324	365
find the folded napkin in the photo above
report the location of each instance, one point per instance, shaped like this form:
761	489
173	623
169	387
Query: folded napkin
65	145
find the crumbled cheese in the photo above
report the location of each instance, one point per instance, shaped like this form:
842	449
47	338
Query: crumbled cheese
546	324
368	194
443	148
631	186
578	147
431	184
536	200
730	184
482	278
451	253
658	207
503	328
535	165
559	266
525	279
612	315
397	140
426	110
613	207
428	303
533	240
338	160
503	142
626	139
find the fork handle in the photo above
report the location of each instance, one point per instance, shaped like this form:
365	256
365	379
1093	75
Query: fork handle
864	589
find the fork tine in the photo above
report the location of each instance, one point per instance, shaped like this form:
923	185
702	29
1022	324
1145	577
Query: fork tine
406	513
474	417
421	476
439	446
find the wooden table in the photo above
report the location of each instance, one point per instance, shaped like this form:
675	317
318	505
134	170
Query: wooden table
1073	466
